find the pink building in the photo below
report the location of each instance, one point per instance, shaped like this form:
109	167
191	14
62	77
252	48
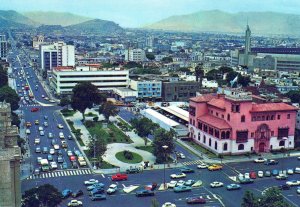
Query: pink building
231	123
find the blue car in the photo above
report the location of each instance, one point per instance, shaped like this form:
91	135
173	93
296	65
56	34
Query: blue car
66	193
96	197
97	191
96	185
275	172
64	165
233	186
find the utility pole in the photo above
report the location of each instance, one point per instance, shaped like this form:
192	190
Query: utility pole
94	139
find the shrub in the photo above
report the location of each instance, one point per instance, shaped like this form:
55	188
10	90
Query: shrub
128	155
95	119
89	124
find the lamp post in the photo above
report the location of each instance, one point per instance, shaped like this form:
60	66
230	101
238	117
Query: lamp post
165	147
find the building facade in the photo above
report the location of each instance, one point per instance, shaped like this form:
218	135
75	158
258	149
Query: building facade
64	79
10	153
37	41
147	90
136	55
231	123
179	90
3	47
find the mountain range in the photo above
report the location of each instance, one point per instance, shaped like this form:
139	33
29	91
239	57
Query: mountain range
261	23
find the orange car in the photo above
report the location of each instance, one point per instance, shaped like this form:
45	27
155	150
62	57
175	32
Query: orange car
215	167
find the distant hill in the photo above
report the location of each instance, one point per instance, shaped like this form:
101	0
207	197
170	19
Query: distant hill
261	23
13	19
56	18
50	28
96	26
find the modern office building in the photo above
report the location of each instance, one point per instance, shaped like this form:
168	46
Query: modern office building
230	122
3	47
136	55
147	89
65	78
10	153
57	54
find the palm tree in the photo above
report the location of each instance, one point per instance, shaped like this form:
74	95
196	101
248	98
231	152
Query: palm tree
199	73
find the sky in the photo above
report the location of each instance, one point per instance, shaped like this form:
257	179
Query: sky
137	13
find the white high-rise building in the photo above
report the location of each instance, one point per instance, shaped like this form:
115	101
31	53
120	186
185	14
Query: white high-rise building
3	47
68	55
136	55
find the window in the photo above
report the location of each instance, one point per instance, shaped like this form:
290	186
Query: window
288	116
281	143
241	136
217	134
192	110
241	147
211	131
217	114
222	116
263	118
235	108
216	145
272	133
267	118
223	135
272	117
283	132
278	117
204	139
199	136
253	118
190	121
205	128
252	134
194	122
211	111
225	146
200	125
243	118
209	142
228	117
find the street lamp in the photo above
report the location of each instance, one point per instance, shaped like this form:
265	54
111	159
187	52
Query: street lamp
165	147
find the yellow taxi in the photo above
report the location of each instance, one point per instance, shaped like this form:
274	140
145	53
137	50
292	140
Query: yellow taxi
215	167
36	122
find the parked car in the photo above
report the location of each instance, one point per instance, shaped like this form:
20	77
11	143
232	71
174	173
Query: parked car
246	181
91	182
96	191
112	189
119	177
132	170
268	173
168	204
195	200
252	175
293	182
233	186
189	182
260	174
284	187
97	197
271	162
77	193
187	170
215	167
66	193
34	109
96	185
172	183
216	184
281	177
178	175
260	160
275	172
182	188
298	190
290	171
75	203
142	193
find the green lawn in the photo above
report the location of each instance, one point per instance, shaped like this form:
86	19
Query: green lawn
67	113
90	114
146	148
111	134
103	165
76	132
136	158
201	149
124	124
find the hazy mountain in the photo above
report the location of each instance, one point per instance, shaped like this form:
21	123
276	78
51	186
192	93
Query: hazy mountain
96	26
262	23
56	18
14	19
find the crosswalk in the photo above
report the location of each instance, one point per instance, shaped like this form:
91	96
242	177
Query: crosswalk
61	174
193	162
29	105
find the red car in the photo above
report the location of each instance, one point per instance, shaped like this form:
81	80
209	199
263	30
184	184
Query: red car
119	177
72	158
196	200
34	109
252	175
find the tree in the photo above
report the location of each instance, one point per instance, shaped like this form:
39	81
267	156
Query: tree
15	119
185	70
294	96
161	138
150	56
199	73
3	76
64	101
84	96
99	145
249	200
230	76
244	80
44	74
212	74
108	109
167	60
143	126
225	69
10	96
21	143
44	195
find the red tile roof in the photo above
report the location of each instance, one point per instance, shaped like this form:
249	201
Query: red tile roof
217	102
214	121
202	98
272	107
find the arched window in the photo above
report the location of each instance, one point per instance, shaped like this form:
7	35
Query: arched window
225	146
243	118
281	143
204	139
227	134
216	145
209	142
199	136
223	135
241	147
217	134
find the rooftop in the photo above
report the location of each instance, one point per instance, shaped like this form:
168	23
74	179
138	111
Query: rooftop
202	98
179	112
217	102
214	121
272	107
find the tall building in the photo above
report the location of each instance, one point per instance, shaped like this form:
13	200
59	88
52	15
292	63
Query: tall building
136	55
10	188
37	41
3	47
57	54
248	40
230	122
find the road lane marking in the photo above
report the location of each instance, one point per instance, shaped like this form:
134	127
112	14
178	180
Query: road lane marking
103	175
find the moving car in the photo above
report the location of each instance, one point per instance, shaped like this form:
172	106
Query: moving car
37	141
281	177
112	189
178	175
49	158
64	144
260	160
98	197
42	133
28	124
91	182
182	188
70	137
132	170
34	109
143	193
52	151
60	159
50	135
214	167
233	186
96	185
195	200
41	128
64	165
61	135
96	191
298	190
69	153
36	122
38	149
186	170
202	166
284	187
77	193
36	171
66	193
27	131
271	162
75	203
60	126
53	165
119	177
56	147
293	182
168	204
216	184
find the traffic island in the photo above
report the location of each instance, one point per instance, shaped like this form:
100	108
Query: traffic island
129	157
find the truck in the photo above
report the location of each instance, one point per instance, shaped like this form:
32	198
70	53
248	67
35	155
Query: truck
45	165
81	161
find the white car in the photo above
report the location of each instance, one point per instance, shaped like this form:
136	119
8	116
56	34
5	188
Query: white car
216	184
50	135
180	183
39	160
112	189
202	166
60	126
27	131
56	147
70	153
90	182
53	165
260	160
178	175
41	128
168	204
260	174
51	101
42	133
181	155
290	171
37	141
293	182
45	124
75	203
52	151
247	175
61	135
172	183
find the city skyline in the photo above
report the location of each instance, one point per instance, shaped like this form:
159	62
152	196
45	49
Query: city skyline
128	13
